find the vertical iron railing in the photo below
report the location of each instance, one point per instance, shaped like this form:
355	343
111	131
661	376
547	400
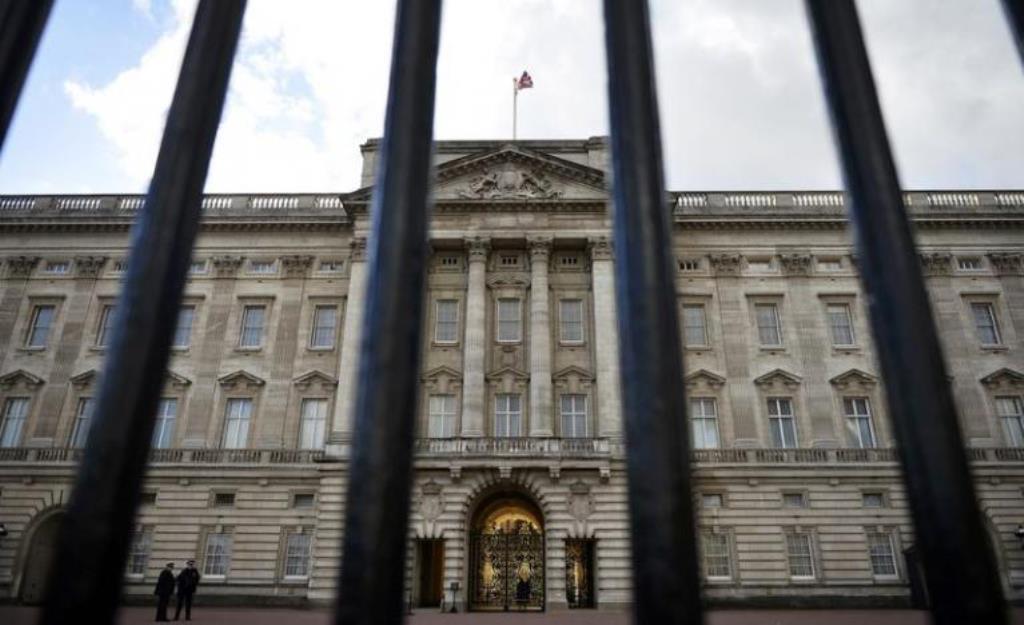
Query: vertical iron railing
960	571
93	541
21	26
380	473
1015	15
666	588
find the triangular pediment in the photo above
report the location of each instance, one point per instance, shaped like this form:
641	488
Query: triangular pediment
442	371
704	376
85	378
1004	377
854	376
780	376
177	381
20	376
573	371
315	377
240	377
498	374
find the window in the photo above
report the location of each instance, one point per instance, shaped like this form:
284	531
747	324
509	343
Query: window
303	501
1011	413
217	556
968	263
509	321
57	267
574	416
769	332
83	419
325	319
183	329
120	266
689	264
147	498
985	323
840	323
39	329
223	500
15	413
441	420
569	260
873	500
446	324
163	431
798	553
237	415
103	331
794	500
711	500
296	554
197	267
782	424
313	424
716	555
759	264
882	554
253	318
695	331
829	264
506	260
330	266
570	320
859	430
138	552
704	422
449	261
507	414
263	266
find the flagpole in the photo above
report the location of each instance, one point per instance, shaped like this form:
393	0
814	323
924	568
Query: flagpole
515	104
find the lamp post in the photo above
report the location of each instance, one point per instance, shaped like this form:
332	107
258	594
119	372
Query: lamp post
1019	533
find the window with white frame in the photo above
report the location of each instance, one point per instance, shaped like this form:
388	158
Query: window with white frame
711	500
968	263
695	326
1011	413
263	267
15	414
57	267
570	320
166	416
799	555
781	422
83	419
508	414
183	327
873	499
325	320
840	323
303	501
716	555
769	328
330	266
441	416
985	323
882	554
138	552
313	423
296	554
860	431
509	320
253	319
39	328
103	331
217	555
574	415
237	416
446	322
704	422
197	267
794	500
829	264
759	264
689	264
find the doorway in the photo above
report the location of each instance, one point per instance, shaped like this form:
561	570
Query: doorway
507	555
39	559
579	572
430	580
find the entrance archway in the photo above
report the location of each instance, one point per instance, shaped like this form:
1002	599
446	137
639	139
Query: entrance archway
39	558
506	548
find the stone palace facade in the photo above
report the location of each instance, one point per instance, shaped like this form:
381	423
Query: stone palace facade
519	499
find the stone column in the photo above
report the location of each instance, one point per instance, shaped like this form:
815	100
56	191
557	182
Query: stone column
473	388
606	340
351	342
541	422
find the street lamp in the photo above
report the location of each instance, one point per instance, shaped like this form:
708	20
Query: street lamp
1019	533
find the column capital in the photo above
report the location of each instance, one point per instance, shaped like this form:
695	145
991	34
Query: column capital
357	249
478	248
600	248
540	247
21	266
89	266
1007	263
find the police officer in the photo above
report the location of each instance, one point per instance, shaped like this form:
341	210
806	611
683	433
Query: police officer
164	590
188	581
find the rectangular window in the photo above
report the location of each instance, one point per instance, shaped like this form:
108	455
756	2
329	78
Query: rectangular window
330	266
253	319
882	554
166	415
985	323
570	320
794	500
508	261
83	419
446	324
106	323
15	413
829	264
183	329
769	331
798	553
197	267
968	263
325	320
704	422
873	500
223	500
695	331
711	500
509	320
57	267
120	266
138	552
1011	413
303	501
716	555
759	264
507	414
263	266
237	414
313	427
39	329
840	323
441	419
217	555
781	422
296	555
689	264
859	430
574	416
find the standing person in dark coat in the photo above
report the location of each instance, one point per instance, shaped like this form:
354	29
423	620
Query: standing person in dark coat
188	581
164	590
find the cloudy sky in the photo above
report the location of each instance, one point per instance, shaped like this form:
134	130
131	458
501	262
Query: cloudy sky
741	107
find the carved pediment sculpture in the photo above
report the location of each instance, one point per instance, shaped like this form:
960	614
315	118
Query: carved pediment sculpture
508	183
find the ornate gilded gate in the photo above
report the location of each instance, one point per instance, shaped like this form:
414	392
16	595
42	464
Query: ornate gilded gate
507	557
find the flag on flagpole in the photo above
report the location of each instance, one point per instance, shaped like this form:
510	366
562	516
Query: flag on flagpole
524	82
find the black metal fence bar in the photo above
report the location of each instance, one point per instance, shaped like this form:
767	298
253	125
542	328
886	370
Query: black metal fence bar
380	475
94	537
1015	15
961	575
665	578
21	25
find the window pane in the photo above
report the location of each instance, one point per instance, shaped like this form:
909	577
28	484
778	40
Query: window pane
237	415
324	323
782	424
42	320
798	551
446	326
574	416
83	419
1011	413
296	563
506	415
571	320
768	330
106	321
163	430
508	320
183	330
880	550
985	322
252	326
15	412
138	553
704	423
313	424
841	324
217	558
441	416
694	326
716	556
859	428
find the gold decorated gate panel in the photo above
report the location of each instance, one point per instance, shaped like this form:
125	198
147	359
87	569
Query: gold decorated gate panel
507	556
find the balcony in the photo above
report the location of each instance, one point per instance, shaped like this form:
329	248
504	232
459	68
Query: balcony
518	447
60	455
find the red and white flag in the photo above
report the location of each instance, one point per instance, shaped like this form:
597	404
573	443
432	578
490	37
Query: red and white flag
524	82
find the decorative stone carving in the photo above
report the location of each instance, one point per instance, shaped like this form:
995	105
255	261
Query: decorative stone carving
937	264
89	266
296	266
357	249
242	380
854	378
779	376
795	264
226	266
1007	264
431	505
1004	379
540	249
21	266
478	247
726	264
581	500
176	381
703	377
600	248
84	379
510	182
22	377
315	377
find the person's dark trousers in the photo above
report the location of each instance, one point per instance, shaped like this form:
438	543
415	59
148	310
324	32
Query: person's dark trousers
161	607
185	599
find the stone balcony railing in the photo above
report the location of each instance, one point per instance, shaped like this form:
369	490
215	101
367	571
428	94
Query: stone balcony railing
920	203
518	446
172	456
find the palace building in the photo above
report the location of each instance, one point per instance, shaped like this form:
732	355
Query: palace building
519	499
